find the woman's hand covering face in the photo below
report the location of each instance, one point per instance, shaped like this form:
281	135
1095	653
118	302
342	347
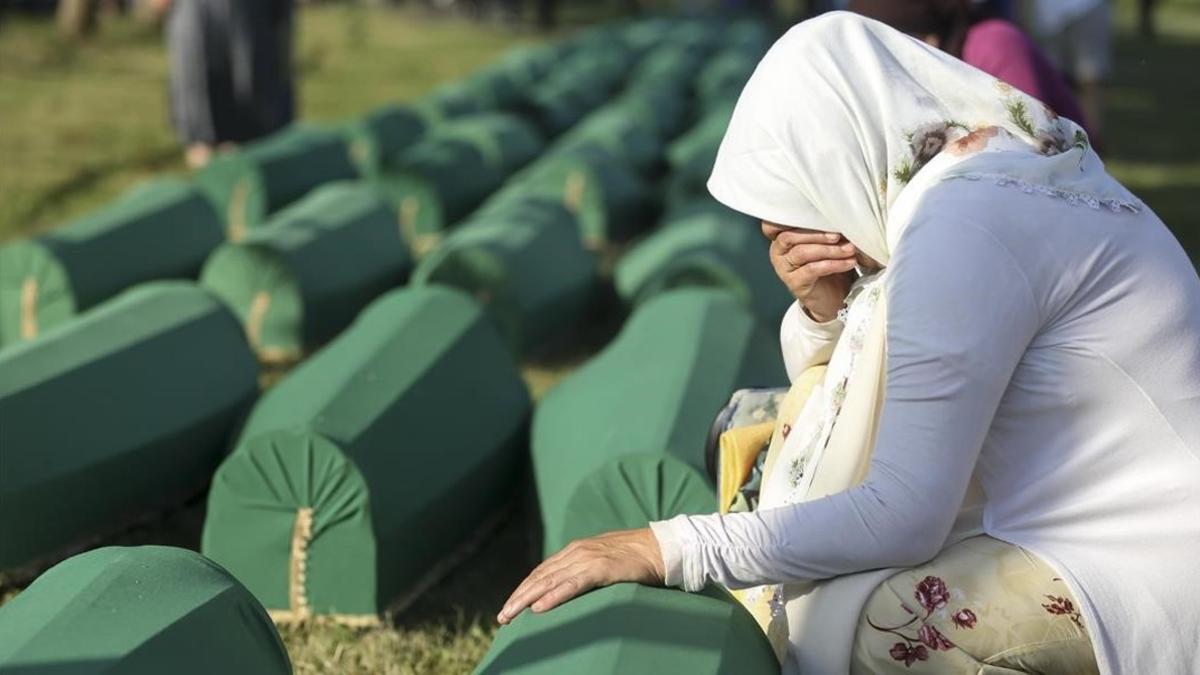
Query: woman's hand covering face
628	555
815	266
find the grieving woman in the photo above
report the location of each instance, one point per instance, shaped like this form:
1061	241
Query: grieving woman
999	470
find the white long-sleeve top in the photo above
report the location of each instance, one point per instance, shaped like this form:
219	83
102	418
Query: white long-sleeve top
1055	349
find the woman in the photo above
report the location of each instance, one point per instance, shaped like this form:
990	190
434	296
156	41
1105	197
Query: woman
231	78
980	34
1033	325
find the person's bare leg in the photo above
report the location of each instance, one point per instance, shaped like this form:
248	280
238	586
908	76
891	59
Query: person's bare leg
198	155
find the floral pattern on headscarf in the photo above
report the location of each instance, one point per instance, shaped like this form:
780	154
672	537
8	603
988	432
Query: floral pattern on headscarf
1046	134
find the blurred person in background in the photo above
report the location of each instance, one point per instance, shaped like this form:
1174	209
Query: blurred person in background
231	74
981	34
1077	35
1146	18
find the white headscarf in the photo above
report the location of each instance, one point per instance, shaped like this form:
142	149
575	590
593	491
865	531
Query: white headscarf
844	125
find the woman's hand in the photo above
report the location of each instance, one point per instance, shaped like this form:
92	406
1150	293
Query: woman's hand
628	555
814	266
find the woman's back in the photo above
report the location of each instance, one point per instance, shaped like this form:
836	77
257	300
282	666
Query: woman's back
1092	460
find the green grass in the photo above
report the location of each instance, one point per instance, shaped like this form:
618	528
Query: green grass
81	123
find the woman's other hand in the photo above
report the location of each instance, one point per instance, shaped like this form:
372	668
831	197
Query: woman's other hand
595	562
815	266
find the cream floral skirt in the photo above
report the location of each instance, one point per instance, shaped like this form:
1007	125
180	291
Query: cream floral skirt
982	606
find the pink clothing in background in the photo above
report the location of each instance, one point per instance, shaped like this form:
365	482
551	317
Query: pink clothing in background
1000	49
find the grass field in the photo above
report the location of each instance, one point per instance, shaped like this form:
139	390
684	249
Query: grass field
81	123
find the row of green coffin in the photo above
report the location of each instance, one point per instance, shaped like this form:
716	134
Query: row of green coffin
704	244
416	415
300	280
122	412
654	390
627	628
138	611
44	282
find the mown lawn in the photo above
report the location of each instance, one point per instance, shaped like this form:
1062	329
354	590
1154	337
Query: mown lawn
81	123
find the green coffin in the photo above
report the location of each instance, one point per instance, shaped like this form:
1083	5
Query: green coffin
575	88
299	280
248	185
655	389
723	77
385	131
610	199
692	155
159	230
629	629
527	265
147	610
365	468
119	413
710	246
440	180
627	128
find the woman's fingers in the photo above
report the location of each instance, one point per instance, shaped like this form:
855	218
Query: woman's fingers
793	237
555	583
571	586
824	268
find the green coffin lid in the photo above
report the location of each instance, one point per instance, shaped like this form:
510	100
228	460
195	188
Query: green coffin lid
138	611
160	230
299	280
440	180
655	389
415	415
629	629
121	412
692	155
527	265
610	199
248	185
386	131
629	492
708	245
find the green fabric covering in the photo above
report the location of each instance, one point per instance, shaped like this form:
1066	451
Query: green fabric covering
629	629
386	131
629	492
159	230
298	281
527	265
608	196
440	180
264	176
509	80
655	389
120	412
147	610
692	155
723	77
627	128
710	246
414	416
575	88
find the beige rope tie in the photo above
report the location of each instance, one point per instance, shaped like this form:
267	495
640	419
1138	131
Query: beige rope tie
237	211
573	193
254	318
302	533
29	302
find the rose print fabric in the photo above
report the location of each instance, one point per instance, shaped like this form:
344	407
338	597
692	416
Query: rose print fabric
981	606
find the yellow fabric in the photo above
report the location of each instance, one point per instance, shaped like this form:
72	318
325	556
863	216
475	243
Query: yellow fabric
982	606
739	449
